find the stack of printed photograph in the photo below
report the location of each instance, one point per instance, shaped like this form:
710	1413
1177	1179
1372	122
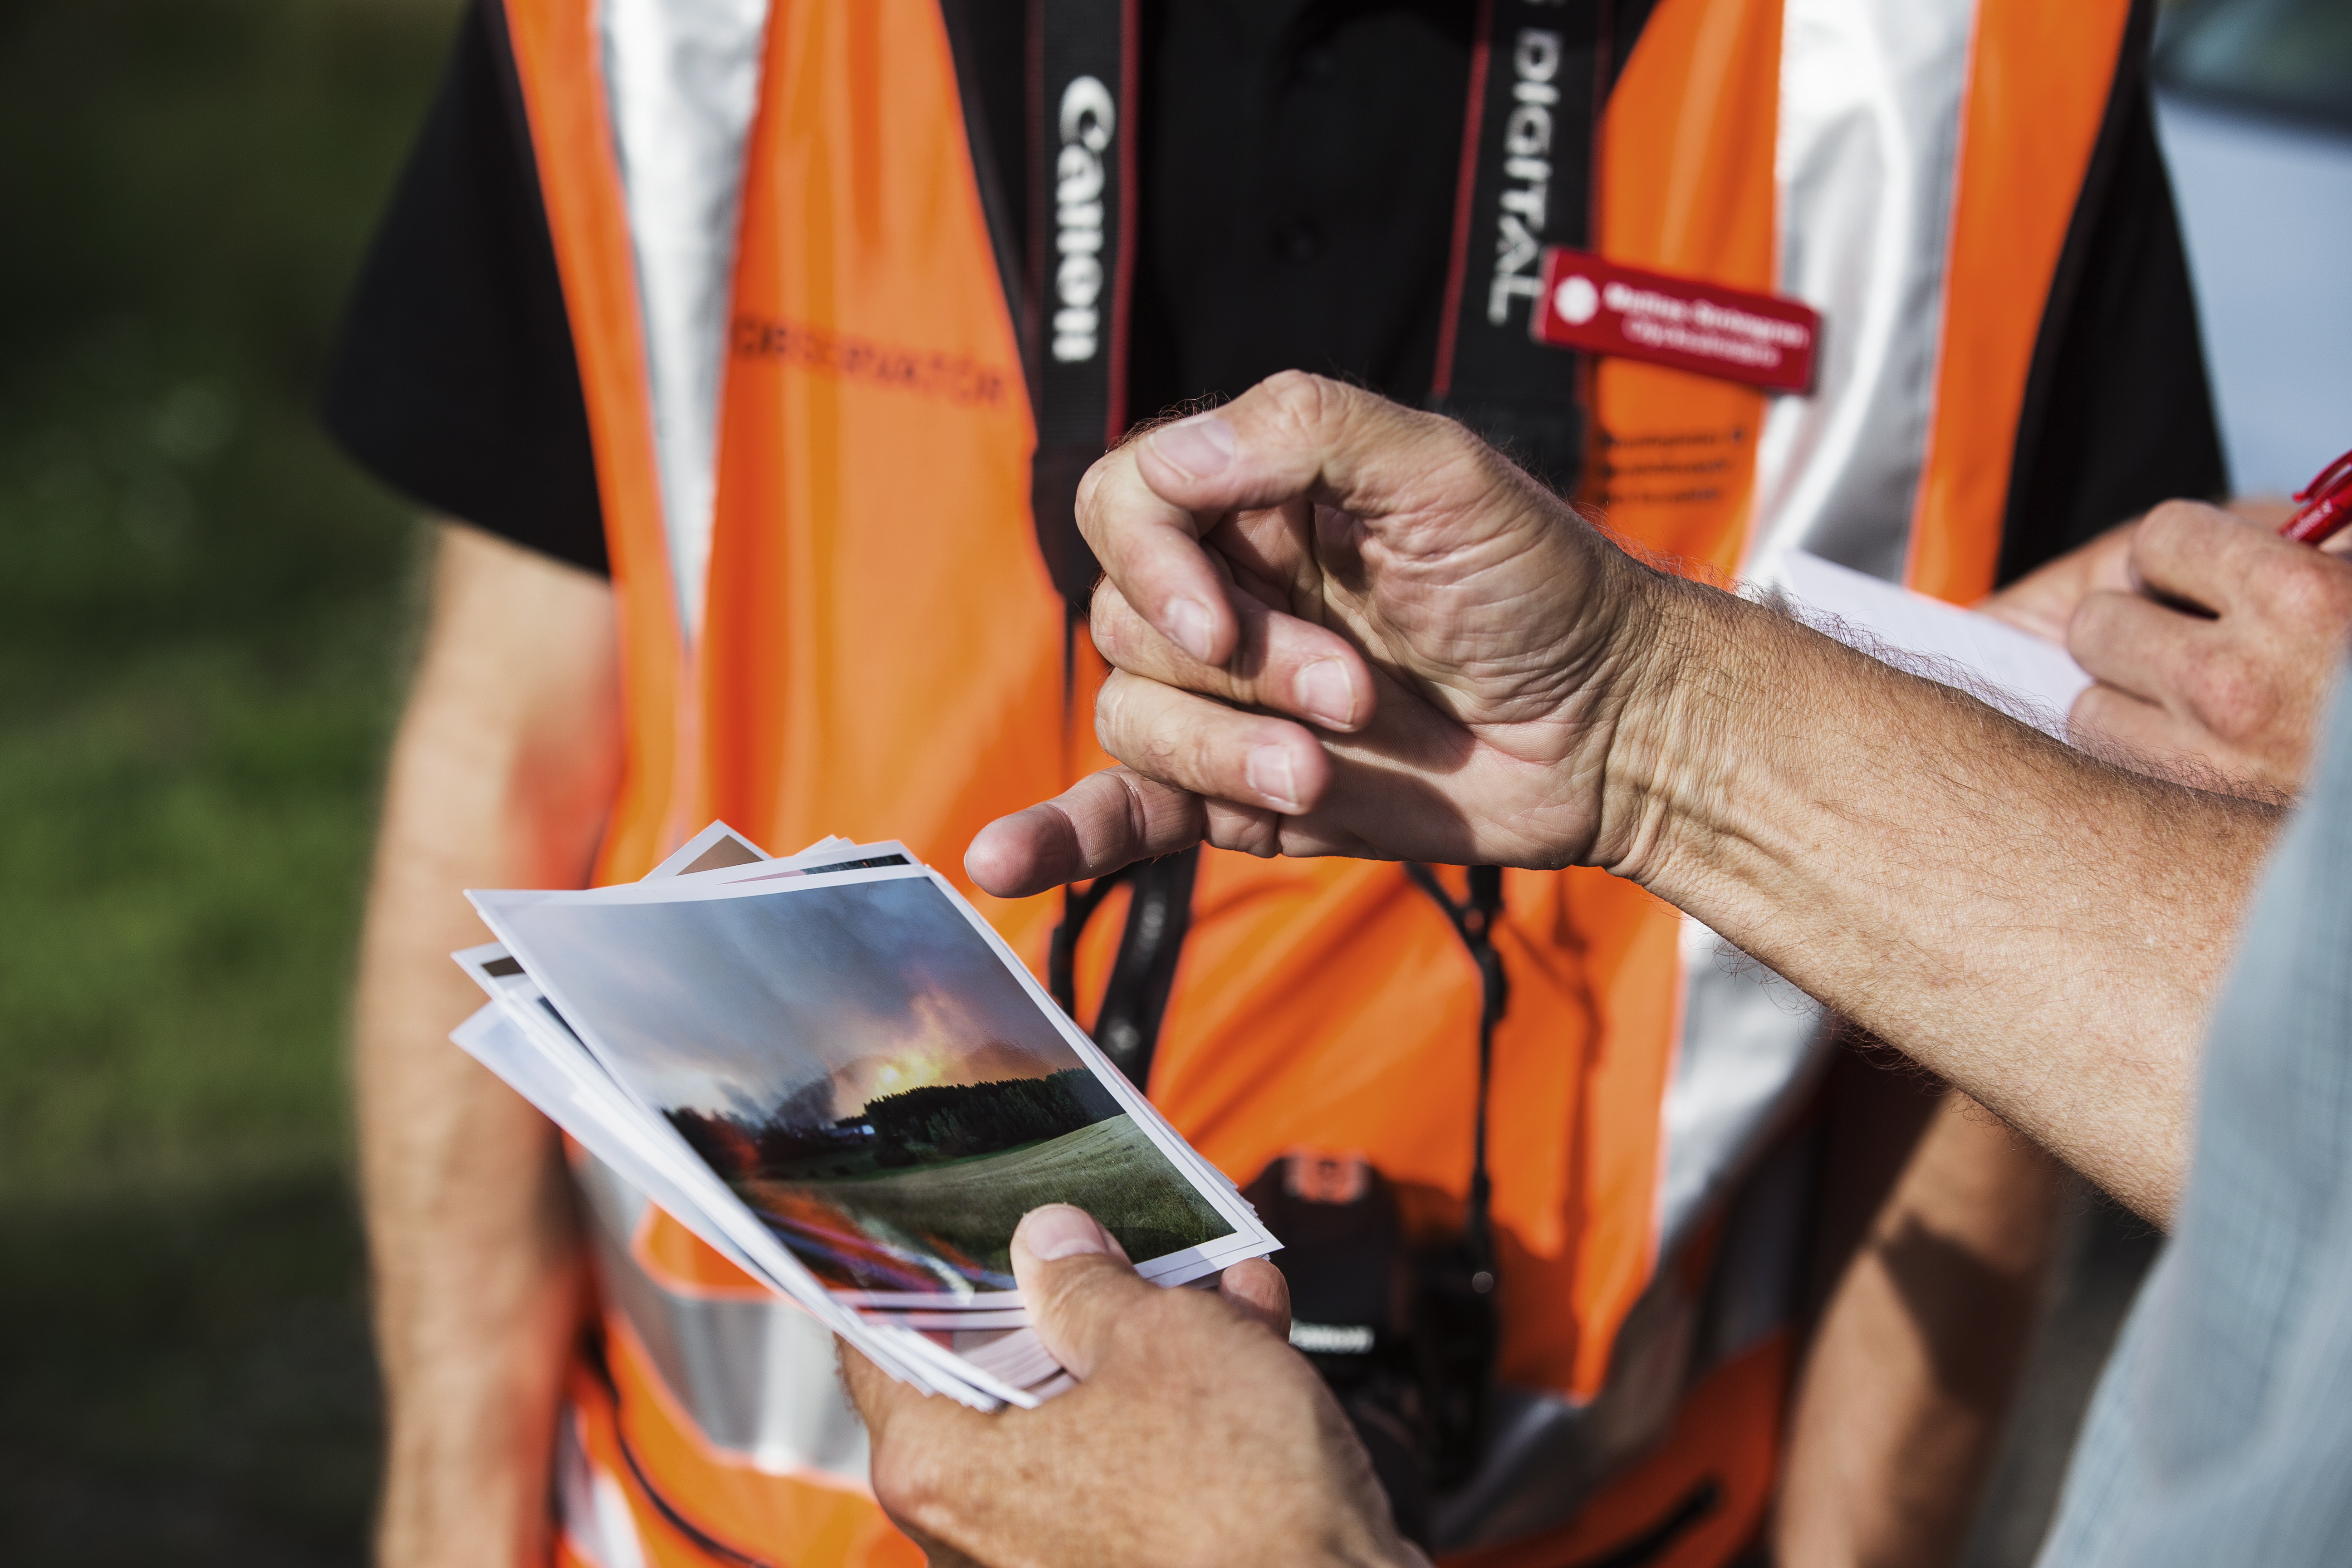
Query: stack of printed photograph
831	1069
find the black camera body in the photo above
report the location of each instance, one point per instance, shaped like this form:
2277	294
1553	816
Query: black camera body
1404	1331
1404	1334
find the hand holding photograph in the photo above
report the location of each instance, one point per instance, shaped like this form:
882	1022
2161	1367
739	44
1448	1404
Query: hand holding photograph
853	1052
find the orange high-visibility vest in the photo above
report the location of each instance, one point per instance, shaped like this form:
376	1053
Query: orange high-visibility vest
812	443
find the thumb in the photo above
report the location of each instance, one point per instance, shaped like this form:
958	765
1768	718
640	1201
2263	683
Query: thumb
1077	1282
1103	822
1297	436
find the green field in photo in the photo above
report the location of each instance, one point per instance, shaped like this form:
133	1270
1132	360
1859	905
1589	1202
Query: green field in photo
1111	1169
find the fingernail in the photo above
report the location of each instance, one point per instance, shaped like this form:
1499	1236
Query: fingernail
1195	448
1268	773
1188	622
1059	1231
1325	693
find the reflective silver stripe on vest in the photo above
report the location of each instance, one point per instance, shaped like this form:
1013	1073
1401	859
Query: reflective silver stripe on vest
1866	166
1751	1049
682	84
1871	91
756	1376
591	1508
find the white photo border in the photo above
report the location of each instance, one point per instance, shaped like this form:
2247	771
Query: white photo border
1248	1236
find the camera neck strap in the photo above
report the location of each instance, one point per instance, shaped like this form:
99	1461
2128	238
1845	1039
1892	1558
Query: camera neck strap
1135	998
1083	68
1539	71
1473	921
1074	310
1540	74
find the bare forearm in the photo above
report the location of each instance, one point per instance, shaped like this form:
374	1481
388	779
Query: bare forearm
2042	929
1902	1397
473	1241
473	1245
1432	659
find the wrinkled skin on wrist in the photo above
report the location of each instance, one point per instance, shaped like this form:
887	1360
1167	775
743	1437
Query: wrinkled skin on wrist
1342	626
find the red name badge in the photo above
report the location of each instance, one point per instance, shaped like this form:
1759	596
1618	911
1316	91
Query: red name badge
1602	307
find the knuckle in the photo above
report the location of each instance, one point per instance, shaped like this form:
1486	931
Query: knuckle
2088	630
1243	829
1135	807
1294	389
1261	836
2229	693
2176	525
1110	708
1118	728
1301	400
906	1478
2178	540
1090	484
1157	754
2171	516
1111	621
1097	490
2303	591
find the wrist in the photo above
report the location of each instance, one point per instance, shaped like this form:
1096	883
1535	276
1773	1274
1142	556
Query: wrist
474	1385
469	1484
1671	697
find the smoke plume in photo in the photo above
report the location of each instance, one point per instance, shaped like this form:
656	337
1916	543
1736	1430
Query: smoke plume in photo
798	1005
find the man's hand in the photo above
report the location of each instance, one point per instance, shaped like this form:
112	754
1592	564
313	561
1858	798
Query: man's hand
2223	652
1456	638
2211	639
2044	600
1489	681
1196	1435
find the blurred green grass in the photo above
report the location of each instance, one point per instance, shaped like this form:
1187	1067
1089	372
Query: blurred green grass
203	614
200	598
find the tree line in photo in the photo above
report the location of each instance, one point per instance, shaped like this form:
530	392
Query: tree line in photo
915	1126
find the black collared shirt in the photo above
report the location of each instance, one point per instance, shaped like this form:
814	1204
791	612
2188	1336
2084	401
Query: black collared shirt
1299	162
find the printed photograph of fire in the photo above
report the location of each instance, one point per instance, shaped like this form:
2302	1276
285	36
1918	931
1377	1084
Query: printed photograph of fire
858	1066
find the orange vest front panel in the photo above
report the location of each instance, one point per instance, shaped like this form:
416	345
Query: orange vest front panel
882	655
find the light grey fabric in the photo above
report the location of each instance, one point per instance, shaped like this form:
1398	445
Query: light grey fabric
1866	152
1751	1049
2222	1428
1863	171
683	78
